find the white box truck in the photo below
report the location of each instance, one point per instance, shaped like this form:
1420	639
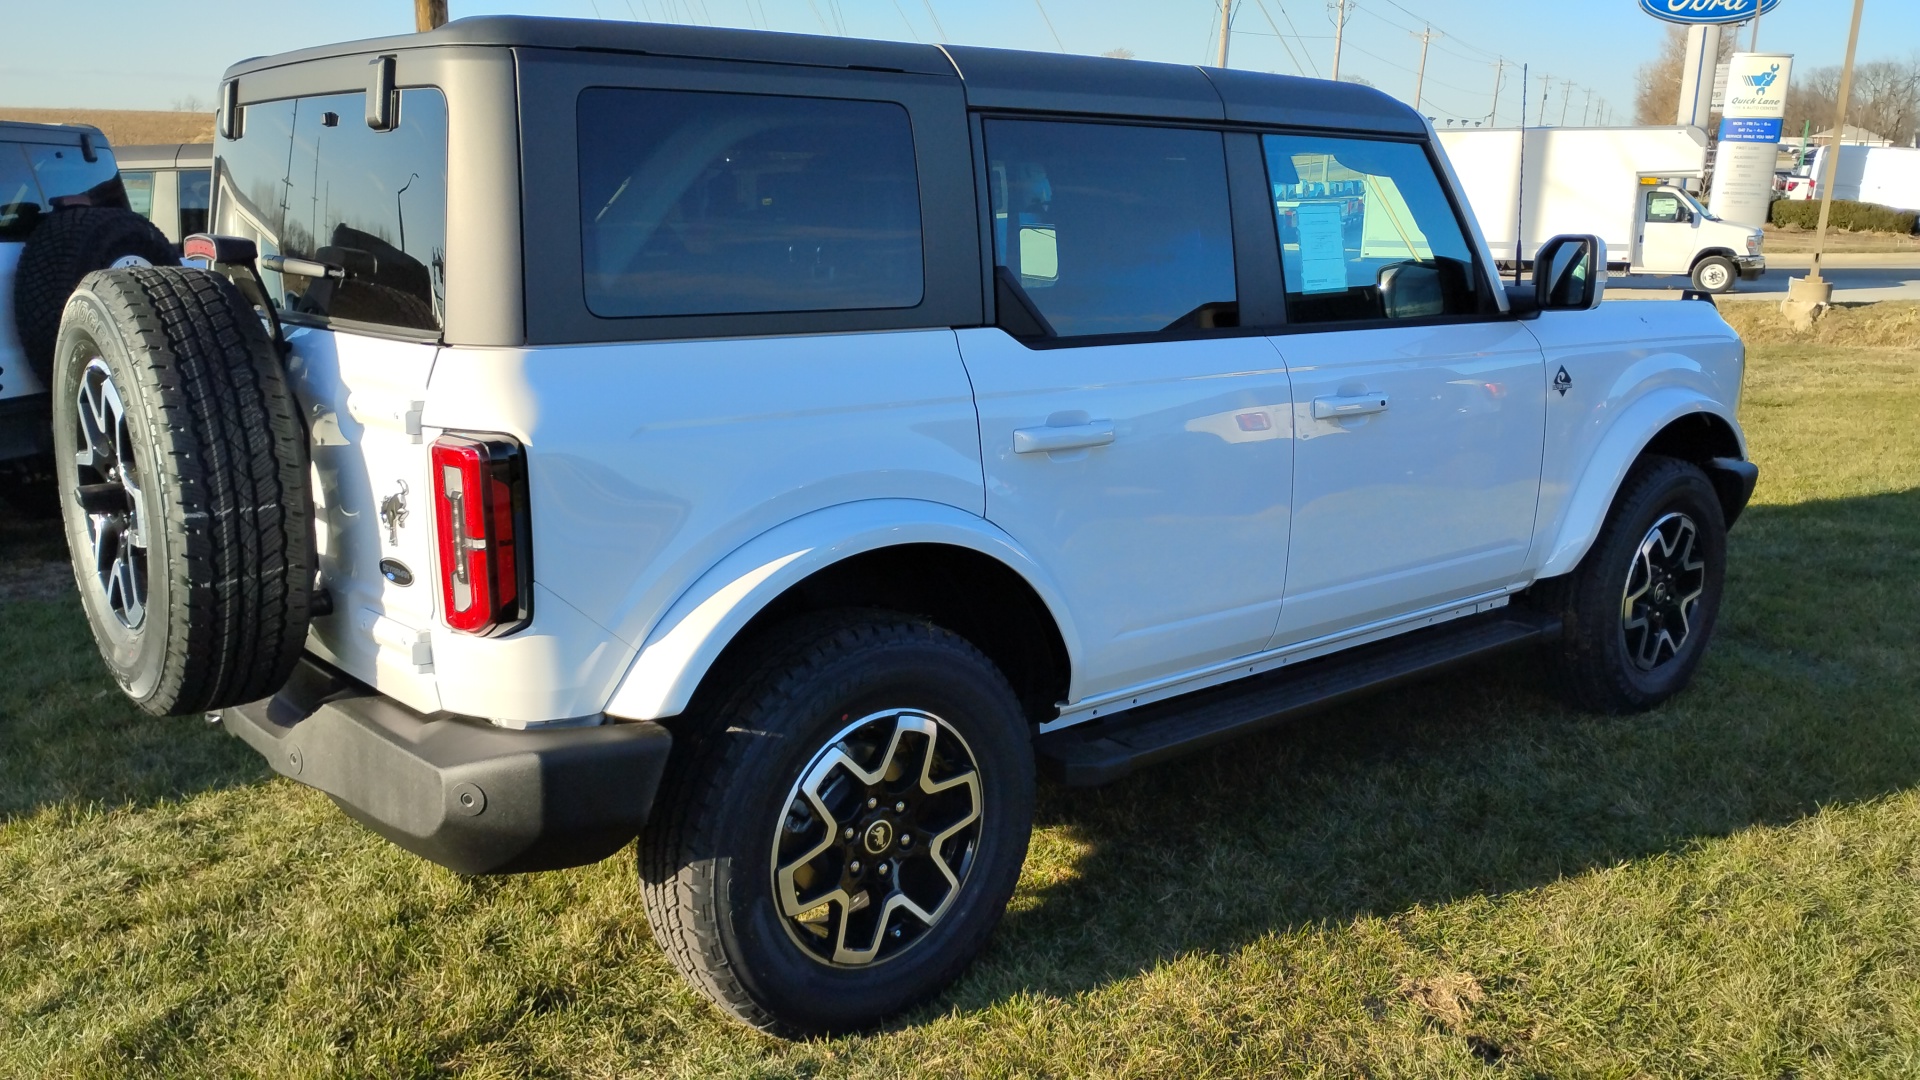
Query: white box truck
1616	183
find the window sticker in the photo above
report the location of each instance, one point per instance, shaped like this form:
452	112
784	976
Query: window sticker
1323	248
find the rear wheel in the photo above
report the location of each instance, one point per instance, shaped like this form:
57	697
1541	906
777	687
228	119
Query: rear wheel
841	838
182	467
1714	274
1641	607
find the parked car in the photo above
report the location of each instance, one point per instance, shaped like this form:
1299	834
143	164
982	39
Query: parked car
63	212
170	185
777	449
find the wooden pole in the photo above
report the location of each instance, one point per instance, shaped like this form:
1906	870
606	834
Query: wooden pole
1339	28
1499	69
1420	80
1833	144
1226	24
428	14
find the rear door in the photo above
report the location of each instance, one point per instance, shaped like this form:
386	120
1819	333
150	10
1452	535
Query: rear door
308	178
1136	440
1419	411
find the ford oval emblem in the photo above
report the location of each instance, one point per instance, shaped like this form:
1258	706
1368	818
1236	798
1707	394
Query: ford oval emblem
396	571
1702	12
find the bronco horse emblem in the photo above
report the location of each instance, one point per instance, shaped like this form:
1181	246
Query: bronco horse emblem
393	514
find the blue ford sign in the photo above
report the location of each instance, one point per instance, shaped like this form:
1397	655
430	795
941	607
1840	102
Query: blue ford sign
1691	12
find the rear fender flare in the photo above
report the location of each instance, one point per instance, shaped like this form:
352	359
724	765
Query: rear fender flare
1586	510
684	644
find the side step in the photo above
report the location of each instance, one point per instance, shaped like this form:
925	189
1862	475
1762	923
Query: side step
1098	752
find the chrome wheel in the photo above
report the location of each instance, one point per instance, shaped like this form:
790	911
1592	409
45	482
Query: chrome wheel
107	490
1664	583
877	838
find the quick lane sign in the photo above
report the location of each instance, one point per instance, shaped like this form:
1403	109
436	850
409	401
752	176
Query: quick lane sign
1692	12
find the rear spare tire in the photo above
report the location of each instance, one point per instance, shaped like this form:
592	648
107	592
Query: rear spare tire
65	248
183	472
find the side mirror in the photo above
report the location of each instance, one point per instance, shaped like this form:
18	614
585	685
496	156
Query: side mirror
1570	273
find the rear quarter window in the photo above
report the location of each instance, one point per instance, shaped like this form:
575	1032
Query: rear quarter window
20	203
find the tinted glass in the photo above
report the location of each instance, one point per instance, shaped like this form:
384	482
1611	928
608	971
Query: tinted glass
195	194
710	204
1366	231
67	178
308	178
1111	229
139	187
20	202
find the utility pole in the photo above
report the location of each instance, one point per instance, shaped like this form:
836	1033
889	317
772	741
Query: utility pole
1499	70
1586	111
1420	80
1226	23
1546	84
1339	28
1566	99
428	14
1809	296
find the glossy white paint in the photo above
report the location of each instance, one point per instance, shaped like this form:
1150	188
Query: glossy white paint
16	378
1636	366
685	642
1426	501
1168	535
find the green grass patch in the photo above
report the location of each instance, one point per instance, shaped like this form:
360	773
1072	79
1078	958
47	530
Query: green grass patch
1457	879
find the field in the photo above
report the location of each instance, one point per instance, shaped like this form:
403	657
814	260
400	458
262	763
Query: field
1800	241
1459	879
126	127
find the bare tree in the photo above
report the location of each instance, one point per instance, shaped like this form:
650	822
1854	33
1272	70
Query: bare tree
1657	99
191	103
1885	99
1122	53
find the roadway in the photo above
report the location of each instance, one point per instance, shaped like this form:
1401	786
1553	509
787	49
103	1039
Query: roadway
1857	278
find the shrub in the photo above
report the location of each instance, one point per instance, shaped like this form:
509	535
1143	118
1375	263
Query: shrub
1846	214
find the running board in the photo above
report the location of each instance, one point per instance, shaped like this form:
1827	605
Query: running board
1099	752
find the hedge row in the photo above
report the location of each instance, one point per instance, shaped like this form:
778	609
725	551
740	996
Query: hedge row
1853	216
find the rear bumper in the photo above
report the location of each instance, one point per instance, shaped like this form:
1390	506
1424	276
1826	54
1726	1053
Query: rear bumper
472	797
1750	266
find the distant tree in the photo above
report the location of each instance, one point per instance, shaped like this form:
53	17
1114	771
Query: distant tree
1121	53
1885	99
1356	79
1657	99
191	103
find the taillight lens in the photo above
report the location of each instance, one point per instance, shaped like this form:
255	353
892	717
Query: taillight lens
480	522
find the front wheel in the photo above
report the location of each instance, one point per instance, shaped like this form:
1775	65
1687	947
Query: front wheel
1714	274
1640	608
842	836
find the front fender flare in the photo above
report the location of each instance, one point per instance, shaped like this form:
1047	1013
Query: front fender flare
1586	509
689	638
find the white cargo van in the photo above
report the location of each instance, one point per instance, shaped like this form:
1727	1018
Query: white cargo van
1616	183
1887	175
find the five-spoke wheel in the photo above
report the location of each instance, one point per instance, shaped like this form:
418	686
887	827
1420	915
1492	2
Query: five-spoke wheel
107	489
1664	583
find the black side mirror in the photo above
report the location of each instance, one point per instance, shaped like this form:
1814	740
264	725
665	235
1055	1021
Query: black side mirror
1570	273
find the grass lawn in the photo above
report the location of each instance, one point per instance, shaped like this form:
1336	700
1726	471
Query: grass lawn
1796	240
1458	879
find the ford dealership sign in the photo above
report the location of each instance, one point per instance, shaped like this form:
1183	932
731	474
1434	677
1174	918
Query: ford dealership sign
1707	11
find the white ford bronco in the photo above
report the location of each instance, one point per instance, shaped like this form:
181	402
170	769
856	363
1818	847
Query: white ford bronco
778	450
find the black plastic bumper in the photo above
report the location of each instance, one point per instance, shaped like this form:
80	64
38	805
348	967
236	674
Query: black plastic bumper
470	796
1733	480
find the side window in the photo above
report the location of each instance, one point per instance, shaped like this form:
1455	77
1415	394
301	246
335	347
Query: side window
195	187
1366	231
1663	207
20	201
715	204
1108	229
308	178
139	187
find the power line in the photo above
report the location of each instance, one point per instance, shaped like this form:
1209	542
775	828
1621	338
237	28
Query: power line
931	14
1061	45
1276	33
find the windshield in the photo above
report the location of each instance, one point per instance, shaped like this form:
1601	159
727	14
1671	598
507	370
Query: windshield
1697	208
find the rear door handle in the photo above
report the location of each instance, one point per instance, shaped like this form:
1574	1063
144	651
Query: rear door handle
1045	440
1333	408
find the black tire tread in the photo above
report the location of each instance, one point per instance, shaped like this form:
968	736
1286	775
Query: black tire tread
235	498
674	852
64	248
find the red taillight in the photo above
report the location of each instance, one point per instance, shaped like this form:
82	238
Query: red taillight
480	521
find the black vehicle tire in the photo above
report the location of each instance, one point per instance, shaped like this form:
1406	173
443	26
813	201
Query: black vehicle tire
1715	274
190	525
732	808
64	248
1631	589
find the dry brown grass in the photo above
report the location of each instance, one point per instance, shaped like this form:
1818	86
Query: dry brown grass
1798	241
1892	323
127	127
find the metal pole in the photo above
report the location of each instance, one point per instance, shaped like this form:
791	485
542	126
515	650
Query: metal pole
1833	144
1226	22
1420	80
1753	43
1339	27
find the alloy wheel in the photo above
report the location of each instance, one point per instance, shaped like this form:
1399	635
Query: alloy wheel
107	490
1664	583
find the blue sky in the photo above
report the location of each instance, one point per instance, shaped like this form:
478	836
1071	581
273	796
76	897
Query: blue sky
150	54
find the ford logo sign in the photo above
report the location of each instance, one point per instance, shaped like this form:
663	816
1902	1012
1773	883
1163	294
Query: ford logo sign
1692	12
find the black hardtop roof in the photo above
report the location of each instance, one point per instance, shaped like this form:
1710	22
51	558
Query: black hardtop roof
993	78
64	134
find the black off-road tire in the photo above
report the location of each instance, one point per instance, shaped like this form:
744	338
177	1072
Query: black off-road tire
705	861
65	247
219	458
1591	667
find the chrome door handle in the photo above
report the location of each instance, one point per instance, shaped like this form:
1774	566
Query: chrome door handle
1045	440
1333	408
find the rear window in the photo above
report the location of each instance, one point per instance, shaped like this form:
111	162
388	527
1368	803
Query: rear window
308	178
20	202
718	204
36	178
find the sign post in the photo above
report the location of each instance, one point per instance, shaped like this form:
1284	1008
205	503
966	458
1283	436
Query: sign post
1756	106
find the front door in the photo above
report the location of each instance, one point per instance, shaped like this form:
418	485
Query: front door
1667	241
1419	412
1133	442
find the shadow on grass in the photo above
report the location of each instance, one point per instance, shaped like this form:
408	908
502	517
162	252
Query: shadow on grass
1478	783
